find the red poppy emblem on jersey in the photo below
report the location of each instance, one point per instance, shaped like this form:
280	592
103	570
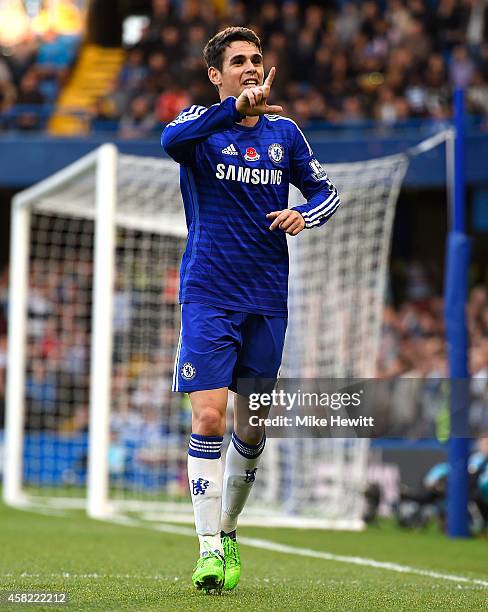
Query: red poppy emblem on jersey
251	154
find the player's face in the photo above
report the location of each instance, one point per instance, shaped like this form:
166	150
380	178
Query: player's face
242	67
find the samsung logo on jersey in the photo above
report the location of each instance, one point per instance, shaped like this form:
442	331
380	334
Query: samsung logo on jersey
255	176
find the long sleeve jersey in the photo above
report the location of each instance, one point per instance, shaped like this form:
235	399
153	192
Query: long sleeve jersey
231	177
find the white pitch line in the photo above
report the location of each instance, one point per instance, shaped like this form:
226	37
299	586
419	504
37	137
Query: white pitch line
304	552
308	552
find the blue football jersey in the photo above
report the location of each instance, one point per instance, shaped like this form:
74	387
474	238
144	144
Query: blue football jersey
231	177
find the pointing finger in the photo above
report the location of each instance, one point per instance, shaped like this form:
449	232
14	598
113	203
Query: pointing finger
270	78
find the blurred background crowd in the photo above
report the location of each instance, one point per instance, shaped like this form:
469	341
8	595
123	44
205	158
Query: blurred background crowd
338	62
36	56
342	63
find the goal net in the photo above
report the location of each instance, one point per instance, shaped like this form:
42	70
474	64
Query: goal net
93	327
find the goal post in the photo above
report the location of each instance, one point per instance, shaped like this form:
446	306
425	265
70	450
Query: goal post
101	345
17	321
93	330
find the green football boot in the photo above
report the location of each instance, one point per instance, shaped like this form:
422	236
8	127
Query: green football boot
232	562
209	573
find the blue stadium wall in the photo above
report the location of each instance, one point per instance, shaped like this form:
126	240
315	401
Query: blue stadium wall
26	159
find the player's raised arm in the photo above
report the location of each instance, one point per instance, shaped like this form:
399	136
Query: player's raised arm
254	100
195	124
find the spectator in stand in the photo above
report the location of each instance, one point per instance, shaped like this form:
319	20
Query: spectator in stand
41	396
451	22
134	71
477	24
102	119
171	45
478	95
22	56
162	14
54	58
171	102
352	111
270	21
29	96
139	121
385	109
7	89
462	67
301	56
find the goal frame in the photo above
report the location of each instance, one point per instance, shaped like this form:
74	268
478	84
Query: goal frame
104	161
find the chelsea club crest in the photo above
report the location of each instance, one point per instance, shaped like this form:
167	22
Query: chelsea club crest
188	371
276	152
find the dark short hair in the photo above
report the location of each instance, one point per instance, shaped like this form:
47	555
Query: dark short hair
214	49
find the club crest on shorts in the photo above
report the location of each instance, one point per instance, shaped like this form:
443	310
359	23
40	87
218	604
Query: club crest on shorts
188	371
276	152
251	154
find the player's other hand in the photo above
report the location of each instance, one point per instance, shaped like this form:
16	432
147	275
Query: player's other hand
254	100
290	221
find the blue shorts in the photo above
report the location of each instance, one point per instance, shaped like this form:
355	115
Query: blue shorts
217	347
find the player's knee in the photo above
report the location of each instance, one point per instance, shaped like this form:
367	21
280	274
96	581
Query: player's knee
209	421
249	434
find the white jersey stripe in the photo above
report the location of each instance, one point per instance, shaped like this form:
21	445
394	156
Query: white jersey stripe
177	359
187	116
324	208
317	221
309	213
325	212
278	117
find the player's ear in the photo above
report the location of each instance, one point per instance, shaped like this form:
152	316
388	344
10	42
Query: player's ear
215	76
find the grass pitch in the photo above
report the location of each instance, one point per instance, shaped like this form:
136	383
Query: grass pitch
105	566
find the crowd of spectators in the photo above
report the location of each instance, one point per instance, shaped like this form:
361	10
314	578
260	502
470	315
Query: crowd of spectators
35	61
345	62
413	332
413	347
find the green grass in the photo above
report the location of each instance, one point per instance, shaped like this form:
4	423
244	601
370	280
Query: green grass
111	567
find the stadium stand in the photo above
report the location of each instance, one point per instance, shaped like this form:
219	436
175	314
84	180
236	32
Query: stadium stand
339	64
390	62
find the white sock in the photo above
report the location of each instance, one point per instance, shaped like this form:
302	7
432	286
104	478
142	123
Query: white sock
239	475
205	479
